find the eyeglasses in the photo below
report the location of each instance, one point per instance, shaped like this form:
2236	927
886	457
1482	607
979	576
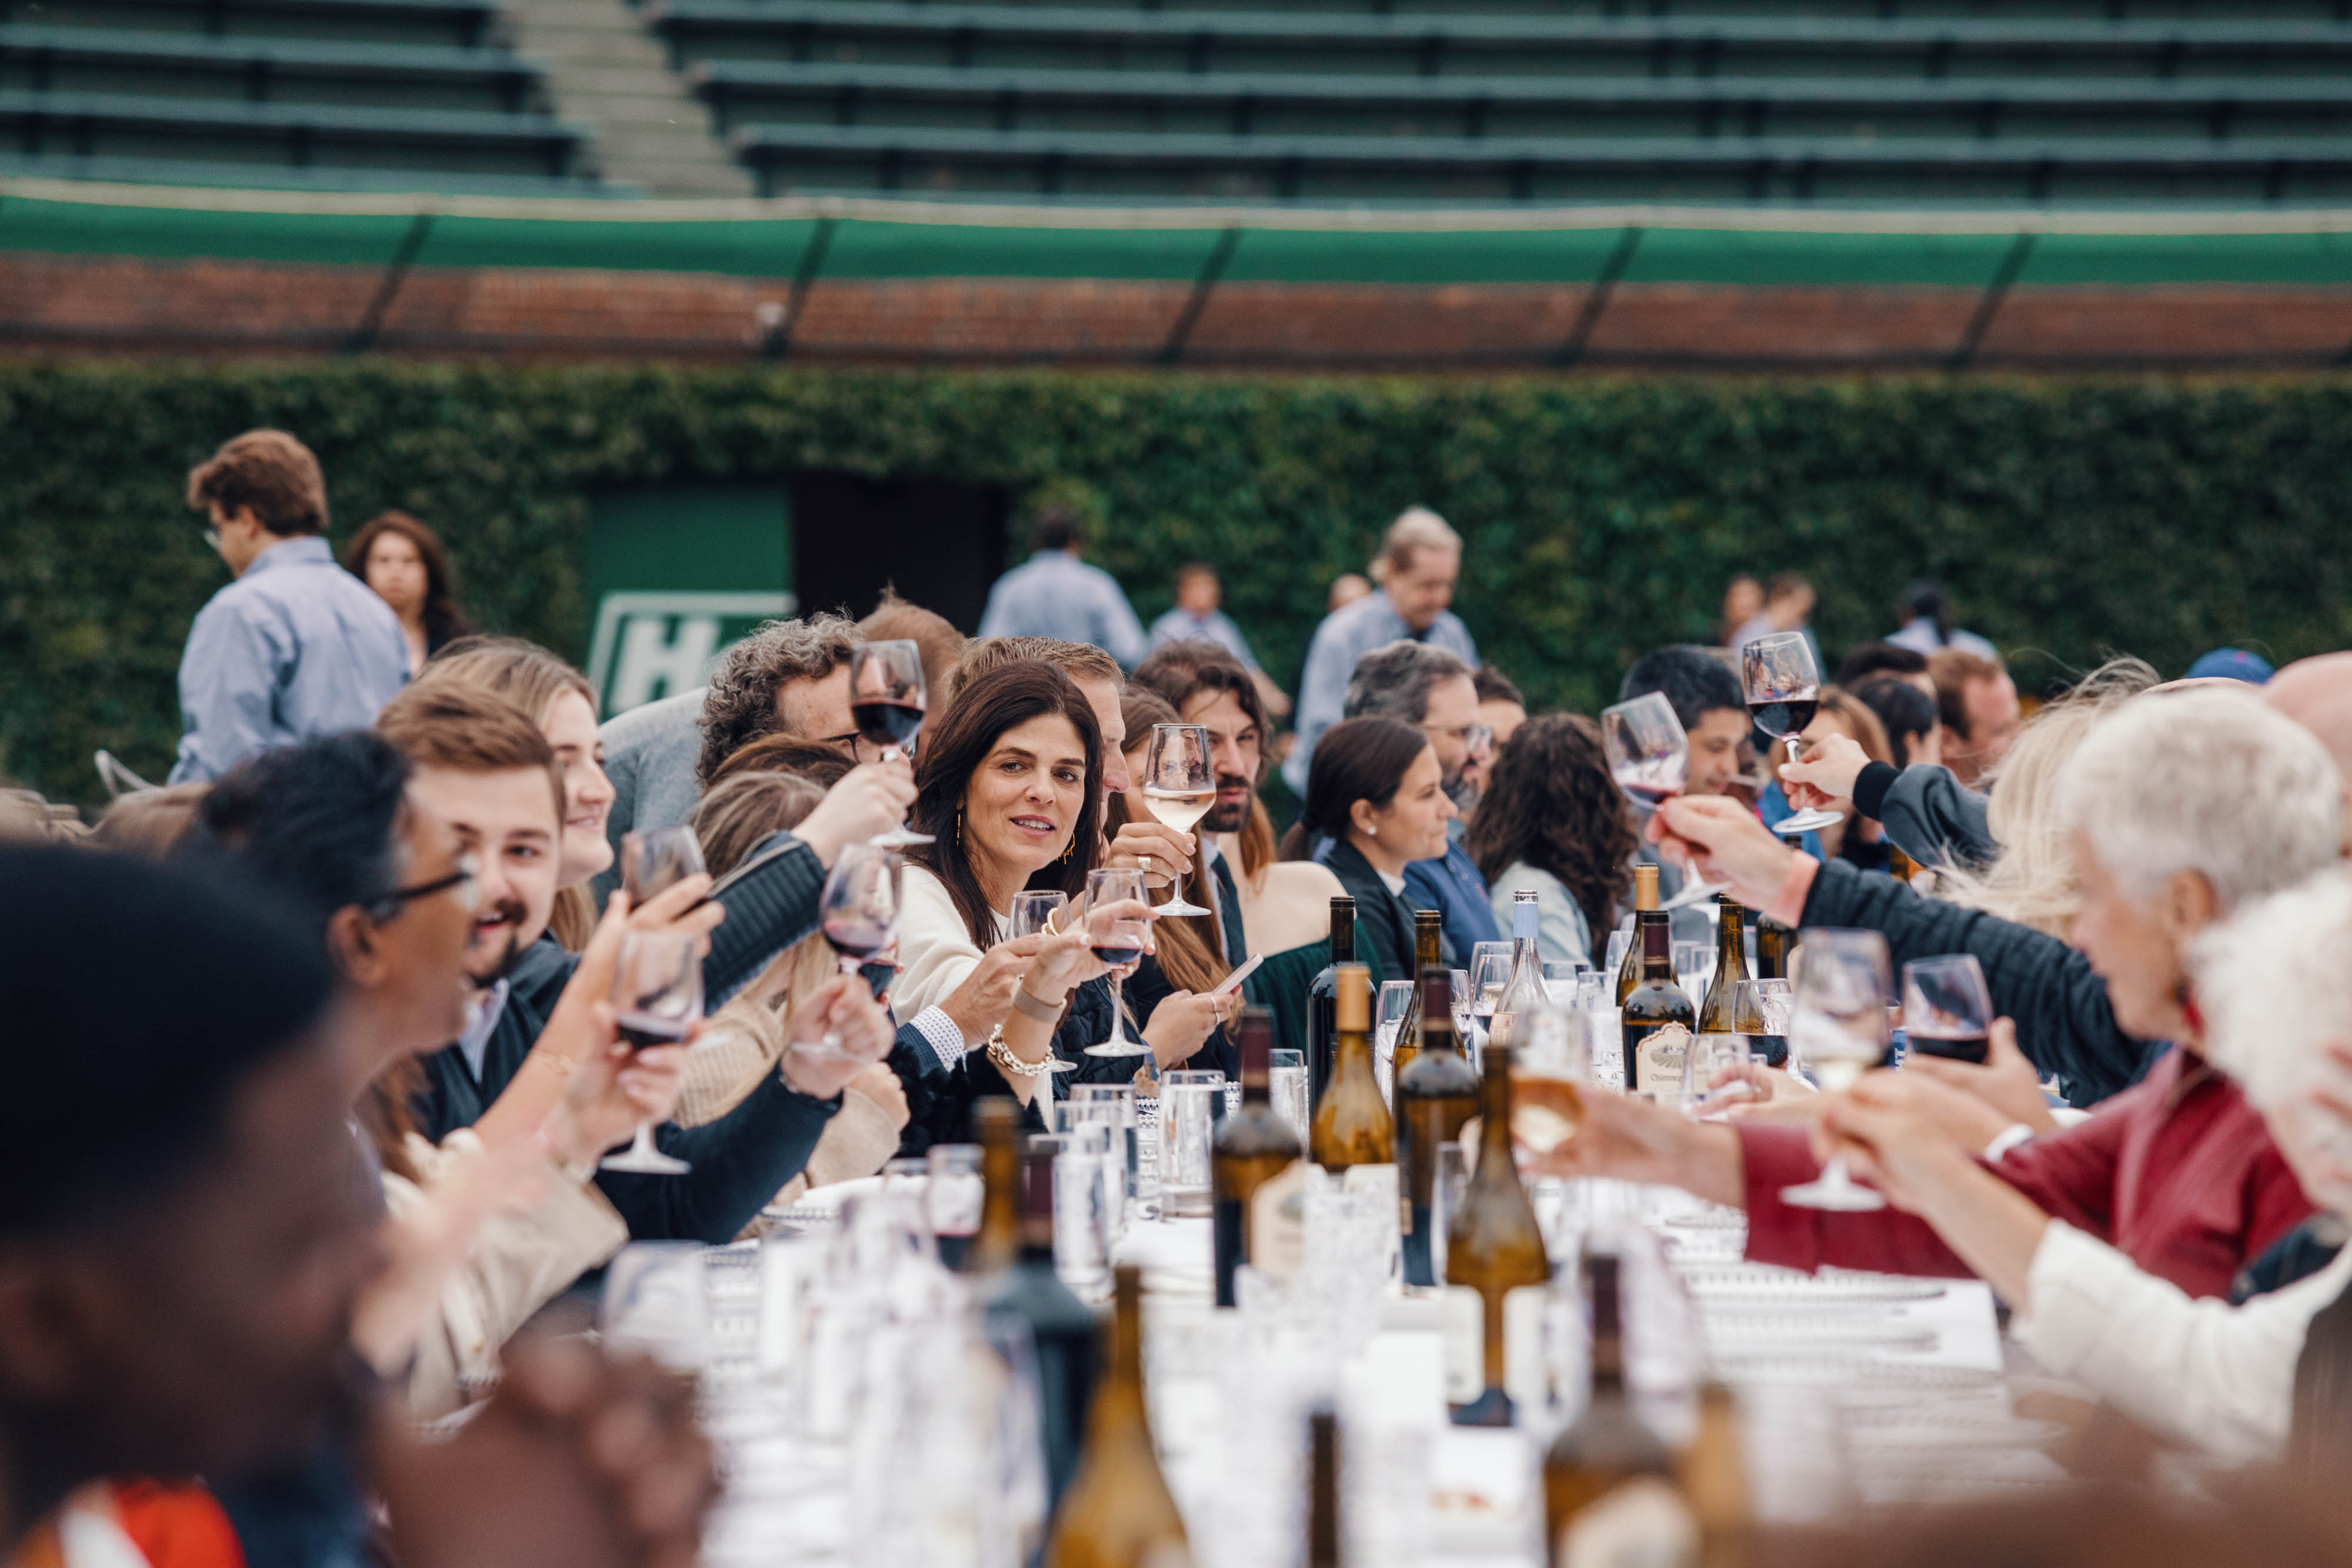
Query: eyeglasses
464	880
1474	737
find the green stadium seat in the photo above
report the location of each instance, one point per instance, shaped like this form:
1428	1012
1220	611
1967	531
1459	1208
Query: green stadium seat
463	24
99	59
262	176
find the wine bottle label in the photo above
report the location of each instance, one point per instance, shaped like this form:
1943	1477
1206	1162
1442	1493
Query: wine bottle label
1642	1524
1277	1224
1527	1375
1462	1314
1658	1059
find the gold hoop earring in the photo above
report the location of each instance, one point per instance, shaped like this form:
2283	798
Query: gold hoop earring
958	826
1070	846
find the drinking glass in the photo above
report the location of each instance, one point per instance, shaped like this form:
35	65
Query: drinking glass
1709	1057
657	858
1081	1228
1287	1088
1465	1004
1489	979
1040	910
1693	961
1620	940
954	1198
1190	1103
1762	1007
886	704
656	996
1114	1103
1649	757
1180	785
858	911
1116	931
1784	688
1551	1064
1091	1117
1838	1030
1947	1011
657	1301
1395	1000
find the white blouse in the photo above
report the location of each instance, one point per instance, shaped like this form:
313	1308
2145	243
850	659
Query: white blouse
936	951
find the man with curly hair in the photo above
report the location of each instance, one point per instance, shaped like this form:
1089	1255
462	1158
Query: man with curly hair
789	677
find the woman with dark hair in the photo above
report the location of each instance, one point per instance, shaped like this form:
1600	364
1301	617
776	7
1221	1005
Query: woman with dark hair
1554	823
1010	789
1375	790
406	565
1908	716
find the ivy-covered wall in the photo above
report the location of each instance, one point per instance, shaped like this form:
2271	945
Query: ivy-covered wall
2070	518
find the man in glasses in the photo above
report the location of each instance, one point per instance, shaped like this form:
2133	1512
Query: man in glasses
296	646
1423	685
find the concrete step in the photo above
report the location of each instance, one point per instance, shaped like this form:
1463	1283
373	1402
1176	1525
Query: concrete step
605	70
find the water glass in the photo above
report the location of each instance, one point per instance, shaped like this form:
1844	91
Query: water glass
1706	1088
1694	962
1287	1088
1620	941
953	1198
1082	1237
1114	1104
1189	1106
1452	1184
657	1301
1095	1122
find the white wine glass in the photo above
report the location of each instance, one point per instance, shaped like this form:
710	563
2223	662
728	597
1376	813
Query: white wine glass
1117	926
858	913
1036	911
657	996
1649	758
1783	687
1838	1028
886	703
1179	785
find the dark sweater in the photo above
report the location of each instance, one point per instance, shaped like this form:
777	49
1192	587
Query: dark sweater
1928	814
2064	1023
1386	917
940	1100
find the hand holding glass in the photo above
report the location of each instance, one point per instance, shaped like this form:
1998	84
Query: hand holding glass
1180	785
1784	689
1649	757
859	913
1116	929
656	998
886	704
655	860
1036	912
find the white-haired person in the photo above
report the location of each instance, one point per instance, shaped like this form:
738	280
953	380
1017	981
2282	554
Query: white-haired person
2182	807
2231	1382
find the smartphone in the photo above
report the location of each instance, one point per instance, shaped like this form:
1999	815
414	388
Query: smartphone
1232	982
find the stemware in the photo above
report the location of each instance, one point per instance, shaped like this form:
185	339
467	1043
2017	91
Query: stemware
1784	687
1709	1058
656	859
1838	1030
1946	1010
1117	933
886	703
1761	1009
1036	910
656	996
1649	757
1180	785
1490	976
858	913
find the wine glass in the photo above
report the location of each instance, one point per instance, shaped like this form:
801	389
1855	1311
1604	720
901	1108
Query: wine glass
1838	1030
1180	785
1036	910
1709	1058
886	704
1761	1009
858	913
1946	1010
656	859
1116	932
1490	975
1784	690
1649	757
656	996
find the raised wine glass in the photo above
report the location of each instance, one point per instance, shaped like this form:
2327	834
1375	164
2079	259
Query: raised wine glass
655	858
1784	692
1036	910
858	913
1946	1010
1116	933
1838	1030
656	996
1649	757
1180	785
886	704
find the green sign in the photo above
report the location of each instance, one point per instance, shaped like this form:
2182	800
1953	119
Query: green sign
678	573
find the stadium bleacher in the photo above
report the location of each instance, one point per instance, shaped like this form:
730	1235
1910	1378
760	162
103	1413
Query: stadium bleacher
326	94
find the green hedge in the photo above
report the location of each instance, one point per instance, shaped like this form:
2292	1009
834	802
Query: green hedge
2071	518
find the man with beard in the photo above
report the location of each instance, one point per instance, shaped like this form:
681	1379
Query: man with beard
1436	692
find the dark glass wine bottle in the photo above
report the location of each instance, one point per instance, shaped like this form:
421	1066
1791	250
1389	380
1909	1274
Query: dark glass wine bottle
1608	1458
1645	901
1436	1093
1656	1008
1119	1512
1029	1297
996	1124
1494	1247
1352	1126
1323	1521
1249	1150
1773	941
1428	929
1320	1025
1715	1014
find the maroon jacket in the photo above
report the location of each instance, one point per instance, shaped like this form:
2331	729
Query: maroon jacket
2176	1172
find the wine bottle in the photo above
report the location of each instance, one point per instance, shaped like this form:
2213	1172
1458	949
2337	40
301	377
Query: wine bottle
1524	995
1436	1093
1715	1014
1352	1126
1496	1268
1323	1524
1713	1472
1610	1494
1249	1150
1773	941
1645	901
1427	930
996	1123
1320	1027
1657	1017
1027	1298
1117	1513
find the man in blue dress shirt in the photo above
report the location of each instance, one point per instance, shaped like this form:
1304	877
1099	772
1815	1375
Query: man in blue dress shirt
296	647
1419	561
1054	594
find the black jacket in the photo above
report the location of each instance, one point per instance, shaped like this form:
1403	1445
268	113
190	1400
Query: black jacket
1386	917
1928	814
2064	1023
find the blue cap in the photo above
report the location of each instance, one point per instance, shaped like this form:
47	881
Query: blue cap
1524	915
2232	664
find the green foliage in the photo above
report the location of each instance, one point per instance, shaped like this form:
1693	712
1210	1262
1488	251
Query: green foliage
2070	518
